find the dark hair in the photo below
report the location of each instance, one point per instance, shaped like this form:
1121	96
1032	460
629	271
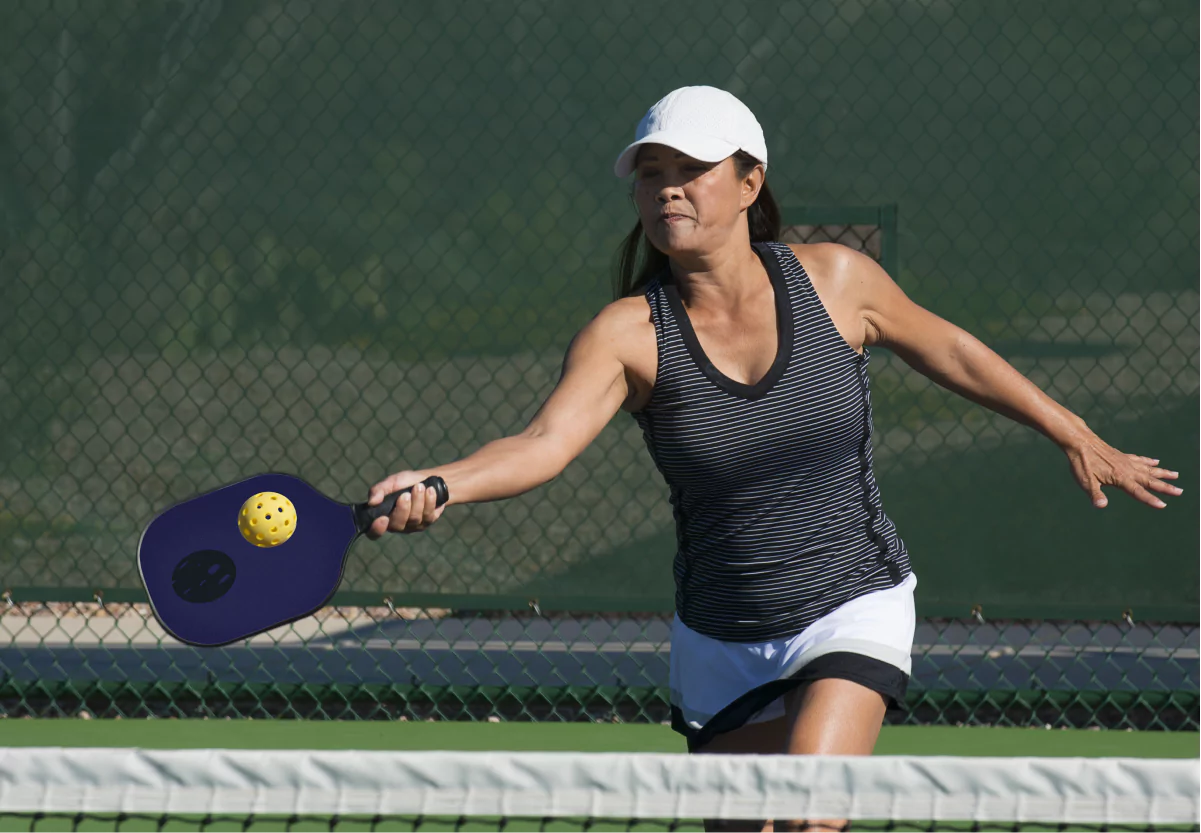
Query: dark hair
639	261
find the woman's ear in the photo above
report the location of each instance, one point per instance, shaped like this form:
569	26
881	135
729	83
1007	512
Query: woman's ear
752	183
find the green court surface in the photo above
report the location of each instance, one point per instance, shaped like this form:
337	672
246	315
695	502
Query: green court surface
564	737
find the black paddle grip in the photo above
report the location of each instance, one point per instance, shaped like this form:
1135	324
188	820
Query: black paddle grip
364	514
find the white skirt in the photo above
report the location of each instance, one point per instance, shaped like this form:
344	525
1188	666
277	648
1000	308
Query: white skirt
869	640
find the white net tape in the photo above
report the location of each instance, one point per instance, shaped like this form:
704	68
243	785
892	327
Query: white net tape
597	785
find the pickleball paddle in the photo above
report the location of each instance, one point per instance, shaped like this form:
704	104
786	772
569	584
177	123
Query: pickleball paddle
210	584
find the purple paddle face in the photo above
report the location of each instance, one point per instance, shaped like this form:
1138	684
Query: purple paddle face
210	586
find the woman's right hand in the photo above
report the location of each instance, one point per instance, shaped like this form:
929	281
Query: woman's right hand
415	510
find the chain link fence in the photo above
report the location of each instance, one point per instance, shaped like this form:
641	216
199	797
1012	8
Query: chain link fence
370	663
339	239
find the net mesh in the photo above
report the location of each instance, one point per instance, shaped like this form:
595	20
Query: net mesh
353	790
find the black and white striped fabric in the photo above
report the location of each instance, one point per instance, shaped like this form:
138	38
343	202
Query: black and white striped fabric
778	516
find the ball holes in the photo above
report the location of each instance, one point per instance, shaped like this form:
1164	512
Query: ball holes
268	516
286	523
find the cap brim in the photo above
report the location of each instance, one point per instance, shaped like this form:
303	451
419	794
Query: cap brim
704	148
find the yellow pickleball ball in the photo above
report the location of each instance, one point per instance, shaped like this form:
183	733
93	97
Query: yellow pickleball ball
267	519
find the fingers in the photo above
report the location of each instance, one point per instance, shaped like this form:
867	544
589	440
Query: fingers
378	528
401	514
1164	488
415	510
1141	487
1151	479
1157	483
1138	476
1152	483
1153	466
431	513
391	483
1139	493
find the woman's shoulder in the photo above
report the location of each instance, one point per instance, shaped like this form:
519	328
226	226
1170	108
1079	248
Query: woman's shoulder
625	318
832	267
625	330
824	257
619	325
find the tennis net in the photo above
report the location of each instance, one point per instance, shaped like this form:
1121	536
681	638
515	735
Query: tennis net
223	789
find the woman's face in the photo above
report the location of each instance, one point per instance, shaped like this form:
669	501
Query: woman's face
688	206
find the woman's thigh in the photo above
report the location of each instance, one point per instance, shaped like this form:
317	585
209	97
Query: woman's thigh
767	738
825	717
833	717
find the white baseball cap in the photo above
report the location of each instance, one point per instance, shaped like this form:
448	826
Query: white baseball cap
704	122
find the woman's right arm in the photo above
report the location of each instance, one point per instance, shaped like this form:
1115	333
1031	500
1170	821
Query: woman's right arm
591	389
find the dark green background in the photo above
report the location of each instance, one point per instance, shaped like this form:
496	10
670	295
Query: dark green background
386	205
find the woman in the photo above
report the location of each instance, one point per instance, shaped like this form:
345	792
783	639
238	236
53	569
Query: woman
744	361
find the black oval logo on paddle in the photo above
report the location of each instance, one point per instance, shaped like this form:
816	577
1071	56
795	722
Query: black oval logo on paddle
203	576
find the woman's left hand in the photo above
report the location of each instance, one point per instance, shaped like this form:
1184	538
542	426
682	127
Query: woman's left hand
1095	464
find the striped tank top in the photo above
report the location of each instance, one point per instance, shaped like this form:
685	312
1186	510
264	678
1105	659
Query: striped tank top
777	512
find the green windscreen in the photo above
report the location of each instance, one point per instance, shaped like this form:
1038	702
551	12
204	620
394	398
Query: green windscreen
341	239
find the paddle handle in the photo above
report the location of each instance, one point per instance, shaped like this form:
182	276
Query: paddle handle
364	515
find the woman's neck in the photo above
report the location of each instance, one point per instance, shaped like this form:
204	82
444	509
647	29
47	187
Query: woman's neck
725	279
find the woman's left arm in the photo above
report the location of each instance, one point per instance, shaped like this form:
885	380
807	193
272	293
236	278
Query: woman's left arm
955	359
